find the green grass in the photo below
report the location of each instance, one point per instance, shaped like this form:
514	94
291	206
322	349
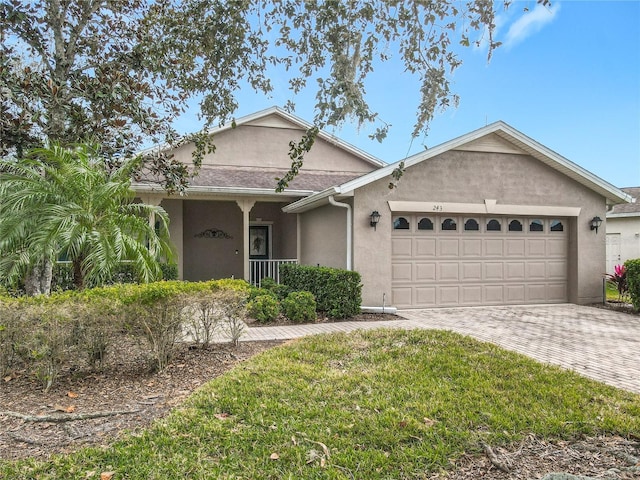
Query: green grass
384	403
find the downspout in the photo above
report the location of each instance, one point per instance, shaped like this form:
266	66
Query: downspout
349	228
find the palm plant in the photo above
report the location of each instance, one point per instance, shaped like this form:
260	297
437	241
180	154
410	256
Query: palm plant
68	202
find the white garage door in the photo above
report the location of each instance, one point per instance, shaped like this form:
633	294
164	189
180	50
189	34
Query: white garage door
448	260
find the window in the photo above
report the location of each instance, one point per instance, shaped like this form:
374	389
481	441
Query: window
493	225
536	226
556	226
401	223
471	225
515	226
449	224
425	224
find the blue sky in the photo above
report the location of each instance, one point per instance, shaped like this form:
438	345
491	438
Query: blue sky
568	77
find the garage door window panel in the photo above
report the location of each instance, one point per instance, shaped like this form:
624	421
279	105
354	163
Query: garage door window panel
401	223
515	226
556	226
536	226
471	225
494	225
425	224
449	225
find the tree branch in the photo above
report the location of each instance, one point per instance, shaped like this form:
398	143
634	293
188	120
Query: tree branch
67	417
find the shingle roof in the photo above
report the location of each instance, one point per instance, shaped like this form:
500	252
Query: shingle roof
626	208
265	178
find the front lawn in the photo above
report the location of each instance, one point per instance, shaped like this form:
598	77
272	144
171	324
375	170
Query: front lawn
377	404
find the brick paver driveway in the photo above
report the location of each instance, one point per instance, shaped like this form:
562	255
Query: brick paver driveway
599	344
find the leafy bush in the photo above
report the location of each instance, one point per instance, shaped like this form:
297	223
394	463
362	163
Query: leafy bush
618	280
299	307
632	268
280	291
264	308
338	292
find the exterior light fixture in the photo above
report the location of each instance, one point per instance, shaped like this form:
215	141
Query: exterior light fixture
595	223
374	219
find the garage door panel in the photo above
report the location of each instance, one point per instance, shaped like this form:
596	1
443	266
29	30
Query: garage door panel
401	247
401	272
493	294
425	247
449	295
471	271
514	271
493	247
471	295
448	247
536	293
557	247
402	296
448	272
557	270
557	292
494	271
515	247
425	296
449	268
536	247
536	270
425	272
471	247
514	293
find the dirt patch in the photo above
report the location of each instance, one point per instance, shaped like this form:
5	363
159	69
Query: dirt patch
127	386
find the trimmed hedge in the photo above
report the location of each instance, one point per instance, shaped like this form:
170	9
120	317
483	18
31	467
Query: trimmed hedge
338	292
633	281
299	307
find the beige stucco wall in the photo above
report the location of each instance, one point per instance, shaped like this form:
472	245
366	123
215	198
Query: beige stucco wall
629	230
268	147
472	177
207	258
323	237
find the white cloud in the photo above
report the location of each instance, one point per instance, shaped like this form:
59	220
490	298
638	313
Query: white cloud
529	23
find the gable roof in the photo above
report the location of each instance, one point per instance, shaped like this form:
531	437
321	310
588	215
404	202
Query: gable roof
504	131
627	209
214	179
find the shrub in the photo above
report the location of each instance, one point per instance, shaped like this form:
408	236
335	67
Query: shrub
632	270
264	308
338	292
280	291
299	307
10	333
232	308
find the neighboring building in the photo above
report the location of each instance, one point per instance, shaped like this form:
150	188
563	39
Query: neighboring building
489	218
623	230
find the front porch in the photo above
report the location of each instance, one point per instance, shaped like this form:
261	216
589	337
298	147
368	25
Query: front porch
232	238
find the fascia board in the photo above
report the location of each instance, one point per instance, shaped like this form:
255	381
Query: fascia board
311	202
200	190
623	215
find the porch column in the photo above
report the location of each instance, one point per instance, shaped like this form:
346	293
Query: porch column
245	205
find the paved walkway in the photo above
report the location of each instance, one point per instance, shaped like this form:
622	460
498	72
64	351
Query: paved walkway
597	343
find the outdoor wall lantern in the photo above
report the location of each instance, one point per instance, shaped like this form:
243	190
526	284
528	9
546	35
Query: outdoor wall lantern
595	223
374	219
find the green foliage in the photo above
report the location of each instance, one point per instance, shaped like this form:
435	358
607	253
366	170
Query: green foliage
338	292
73	329
264	308
632	268
68	202
279	290
380	404
100	71
299	307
